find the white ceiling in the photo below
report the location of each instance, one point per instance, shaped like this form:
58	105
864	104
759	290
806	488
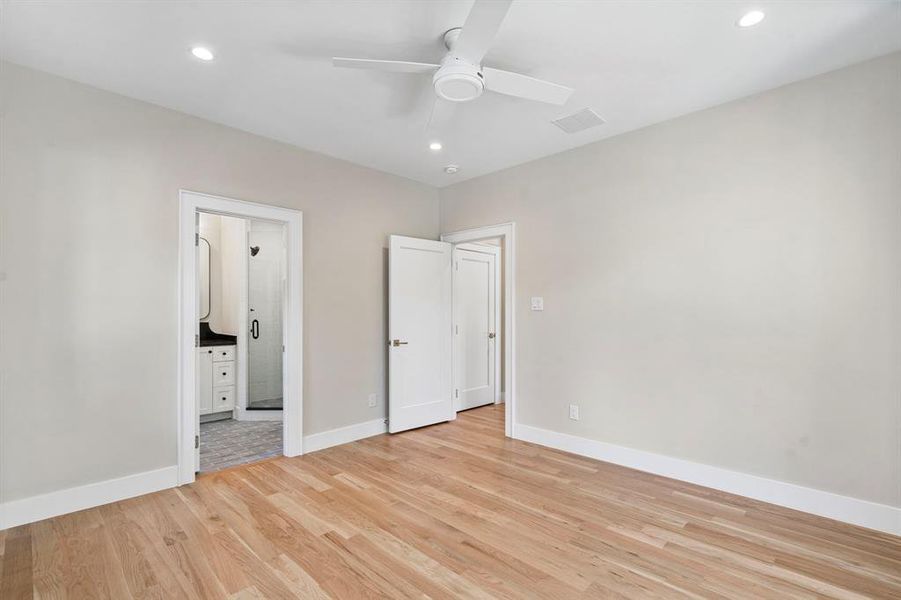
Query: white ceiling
634	62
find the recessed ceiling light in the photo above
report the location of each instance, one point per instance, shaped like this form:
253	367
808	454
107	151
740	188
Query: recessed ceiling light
451	169
202	53
751	18
435	146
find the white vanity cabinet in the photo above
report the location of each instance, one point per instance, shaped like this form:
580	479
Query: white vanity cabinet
216	379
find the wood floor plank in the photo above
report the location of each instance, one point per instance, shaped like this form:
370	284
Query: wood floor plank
450	511
17	572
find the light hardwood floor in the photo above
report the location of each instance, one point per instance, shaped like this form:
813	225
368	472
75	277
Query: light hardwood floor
450	511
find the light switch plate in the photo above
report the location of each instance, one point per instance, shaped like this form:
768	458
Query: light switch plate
372	400
574	412
537	303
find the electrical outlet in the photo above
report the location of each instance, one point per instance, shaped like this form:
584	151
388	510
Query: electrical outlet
537	303
372	400
574	412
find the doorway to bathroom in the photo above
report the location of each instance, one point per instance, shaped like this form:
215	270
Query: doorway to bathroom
239	353
240	348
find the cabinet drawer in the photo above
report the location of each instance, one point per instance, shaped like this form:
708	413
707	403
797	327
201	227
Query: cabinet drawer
223	399
223	353
223	374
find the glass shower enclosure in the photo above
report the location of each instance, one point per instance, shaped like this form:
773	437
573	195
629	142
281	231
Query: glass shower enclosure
265	304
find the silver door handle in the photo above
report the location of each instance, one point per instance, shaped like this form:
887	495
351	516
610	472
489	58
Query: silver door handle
491	336
397	343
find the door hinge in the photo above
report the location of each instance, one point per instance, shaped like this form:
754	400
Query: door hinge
196	442
197	340
457	265
196	239
457	393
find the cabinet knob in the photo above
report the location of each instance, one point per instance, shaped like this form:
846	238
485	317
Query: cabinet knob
209	351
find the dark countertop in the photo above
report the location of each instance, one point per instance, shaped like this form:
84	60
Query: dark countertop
208	337
226	340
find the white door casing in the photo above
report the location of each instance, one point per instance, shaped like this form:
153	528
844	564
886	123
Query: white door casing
420	287
198	364
475	325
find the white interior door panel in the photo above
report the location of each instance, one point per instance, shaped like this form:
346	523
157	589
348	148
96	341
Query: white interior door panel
420	390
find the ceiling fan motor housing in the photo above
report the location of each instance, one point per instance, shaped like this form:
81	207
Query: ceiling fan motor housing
457	80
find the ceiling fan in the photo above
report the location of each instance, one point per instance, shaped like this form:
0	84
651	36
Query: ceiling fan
460	77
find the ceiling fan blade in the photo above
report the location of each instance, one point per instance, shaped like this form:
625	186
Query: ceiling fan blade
480	29
523	86
442	112
397	66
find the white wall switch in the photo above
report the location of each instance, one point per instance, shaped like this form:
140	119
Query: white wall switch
372	400
574	412
537	303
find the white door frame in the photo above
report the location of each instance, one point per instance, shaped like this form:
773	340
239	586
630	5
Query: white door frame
190	203
507	232
494	251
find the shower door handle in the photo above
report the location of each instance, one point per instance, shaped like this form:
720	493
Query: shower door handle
255	329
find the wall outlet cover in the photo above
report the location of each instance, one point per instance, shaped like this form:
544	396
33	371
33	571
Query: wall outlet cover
537	303
574	412
372	400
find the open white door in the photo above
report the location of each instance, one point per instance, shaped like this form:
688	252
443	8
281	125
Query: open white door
420	390
475	325
199	279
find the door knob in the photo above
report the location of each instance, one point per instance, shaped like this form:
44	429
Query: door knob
491	336
397	343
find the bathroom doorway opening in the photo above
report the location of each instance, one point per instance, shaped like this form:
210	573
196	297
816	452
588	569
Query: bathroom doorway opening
239	352
240	320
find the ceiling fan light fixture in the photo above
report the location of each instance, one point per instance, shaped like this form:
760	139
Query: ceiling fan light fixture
460	77
451	169
457	81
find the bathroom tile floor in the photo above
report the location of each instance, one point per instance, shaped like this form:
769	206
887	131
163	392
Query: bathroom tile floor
228	443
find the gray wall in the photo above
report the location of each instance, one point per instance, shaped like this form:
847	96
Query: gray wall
88	239
723	287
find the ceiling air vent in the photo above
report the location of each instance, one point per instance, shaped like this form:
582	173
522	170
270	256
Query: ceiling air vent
579	121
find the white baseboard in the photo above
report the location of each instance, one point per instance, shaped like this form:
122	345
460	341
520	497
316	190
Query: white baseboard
53	504
880	517
37	508
343	435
